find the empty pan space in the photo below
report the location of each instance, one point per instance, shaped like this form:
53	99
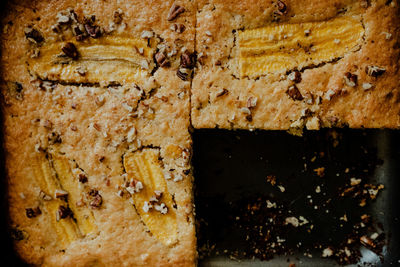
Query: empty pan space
240	176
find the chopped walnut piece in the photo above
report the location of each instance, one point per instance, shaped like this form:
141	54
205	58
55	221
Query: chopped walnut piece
187	60
174	12
70	50
93	30
44	196
97	126
158	194
294	93
147	206
82	178
374	71
147	34
350	79
251	102
295	76
309	98
134	186
366	241
183	74
281	8
367	86
162	208
95	198
222	92
117	16
33	35
178	27
329	94
33	212
320	171
63	212
59	193
161	59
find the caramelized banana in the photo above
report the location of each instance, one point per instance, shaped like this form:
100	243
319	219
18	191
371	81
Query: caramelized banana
56	180
107	59
66	228
70	184
150	194
286	46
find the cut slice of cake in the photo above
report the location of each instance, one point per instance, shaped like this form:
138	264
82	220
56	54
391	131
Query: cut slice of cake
96	118
295	64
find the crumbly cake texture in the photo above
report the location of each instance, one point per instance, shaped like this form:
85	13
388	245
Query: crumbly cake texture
99	171
295	64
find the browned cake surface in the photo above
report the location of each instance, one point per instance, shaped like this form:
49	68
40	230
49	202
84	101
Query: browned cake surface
82	131
247	51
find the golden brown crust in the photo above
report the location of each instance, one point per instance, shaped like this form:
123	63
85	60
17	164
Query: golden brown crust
218	24
95	122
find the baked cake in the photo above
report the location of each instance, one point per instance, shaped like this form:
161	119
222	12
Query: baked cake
98	98
294	64
96	133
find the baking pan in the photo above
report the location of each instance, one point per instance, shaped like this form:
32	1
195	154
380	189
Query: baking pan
231	170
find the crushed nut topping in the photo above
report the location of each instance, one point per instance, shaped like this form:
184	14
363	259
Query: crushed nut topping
158	194
117	16
329	94
295	76
178	27
70	50
222	92
281	8
367	86
147	34
294	93
97	127
94	31
82	178
161	59
134	186
95	198
327	252
131	135
175	11
251	102
366	241
147	206
374	71
63	212
59	193
309	98
44	196
183	74
350	79
33	35
162	208
187	60
33	212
